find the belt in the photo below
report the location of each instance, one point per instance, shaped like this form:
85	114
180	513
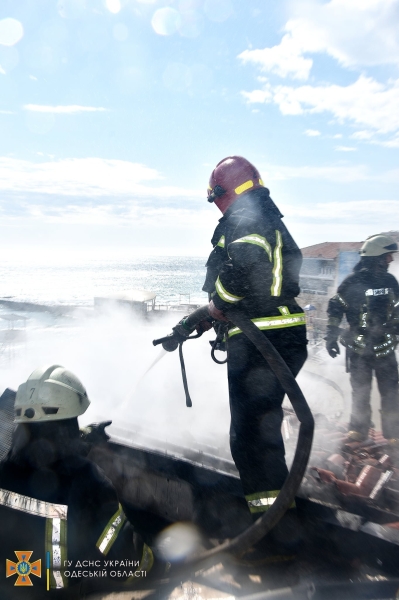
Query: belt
280	322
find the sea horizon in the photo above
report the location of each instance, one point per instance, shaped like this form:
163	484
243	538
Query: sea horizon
172	279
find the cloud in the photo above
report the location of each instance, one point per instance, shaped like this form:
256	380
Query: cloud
6	112
392	143
92	201
352	211
89	190
366	102
100	192
357	34
346	220
337	173
284	60
362	135
67	110
345	149
92	177
354	32
97	179
312	132
137	212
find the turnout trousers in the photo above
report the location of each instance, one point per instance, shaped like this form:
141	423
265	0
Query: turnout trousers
256	397
386	372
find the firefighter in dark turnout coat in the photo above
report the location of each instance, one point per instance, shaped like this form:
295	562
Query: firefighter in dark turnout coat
369	298
255	266
60	516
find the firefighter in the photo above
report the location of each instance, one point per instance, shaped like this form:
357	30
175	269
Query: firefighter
369	298
56	505
254	265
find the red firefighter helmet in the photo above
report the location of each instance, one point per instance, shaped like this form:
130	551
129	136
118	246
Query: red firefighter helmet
231	177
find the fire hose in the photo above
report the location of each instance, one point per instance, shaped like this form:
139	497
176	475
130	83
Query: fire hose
240	544
286	496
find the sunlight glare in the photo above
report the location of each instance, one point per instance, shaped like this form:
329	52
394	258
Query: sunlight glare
113	6
178	541
166	21
11	31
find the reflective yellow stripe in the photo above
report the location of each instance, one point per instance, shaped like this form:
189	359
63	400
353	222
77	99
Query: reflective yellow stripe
221	242
340	300
111	531
378	292
363	320
262	501
224	294
265	323
33	506
385	353
390	340
55	540
358	345
56	545
258	240
146	563
284	310
244	187
278	266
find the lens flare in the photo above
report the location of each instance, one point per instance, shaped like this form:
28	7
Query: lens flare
166	21
113	6
178	541
11	31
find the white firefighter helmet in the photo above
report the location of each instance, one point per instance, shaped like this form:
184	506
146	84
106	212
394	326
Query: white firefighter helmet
50	394
377	245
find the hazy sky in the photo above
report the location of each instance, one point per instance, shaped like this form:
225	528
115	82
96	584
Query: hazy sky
114	112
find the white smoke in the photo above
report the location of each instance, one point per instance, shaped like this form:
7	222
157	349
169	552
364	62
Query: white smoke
111	353
394	266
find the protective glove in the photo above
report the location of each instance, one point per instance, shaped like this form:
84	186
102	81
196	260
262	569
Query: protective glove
332	347
94	433
204	325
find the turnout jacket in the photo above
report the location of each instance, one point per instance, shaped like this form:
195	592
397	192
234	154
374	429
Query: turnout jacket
67	519
370	302
255	264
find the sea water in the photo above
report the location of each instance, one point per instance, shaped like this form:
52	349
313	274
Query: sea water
77	280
